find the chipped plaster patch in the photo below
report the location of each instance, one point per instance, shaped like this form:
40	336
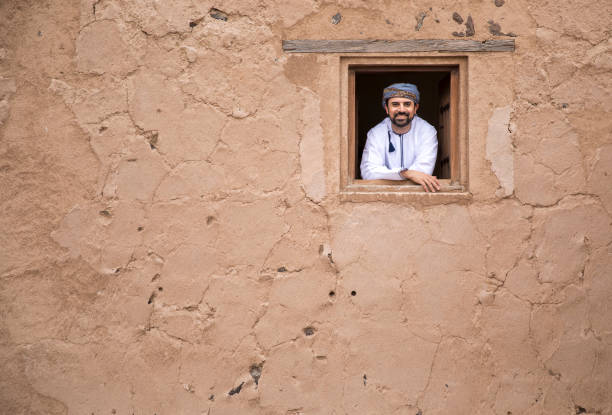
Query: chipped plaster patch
499	149
311	148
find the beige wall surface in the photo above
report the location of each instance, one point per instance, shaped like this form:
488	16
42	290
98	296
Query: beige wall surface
174	241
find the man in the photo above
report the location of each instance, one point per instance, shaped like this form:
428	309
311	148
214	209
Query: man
403	145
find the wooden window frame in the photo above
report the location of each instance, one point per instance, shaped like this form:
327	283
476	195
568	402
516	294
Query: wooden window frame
456	187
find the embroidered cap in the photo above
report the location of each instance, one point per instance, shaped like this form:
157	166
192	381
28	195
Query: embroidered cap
409	91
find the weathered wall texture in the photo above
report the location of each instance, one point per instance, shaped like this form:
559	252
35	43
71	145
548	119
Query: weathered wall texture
172	234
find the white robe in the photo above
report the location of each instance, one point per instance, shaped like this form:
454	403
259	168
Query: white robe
415	150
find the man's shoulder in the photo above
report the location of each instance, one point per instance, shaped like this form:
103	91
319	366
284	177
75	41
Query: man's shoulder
422	126
380	129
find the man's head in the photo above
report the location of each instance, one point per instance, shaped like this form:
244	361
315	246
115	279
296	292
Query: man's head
401	102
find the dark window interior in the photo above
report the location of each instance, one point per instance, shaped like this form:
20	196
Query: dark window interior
434	87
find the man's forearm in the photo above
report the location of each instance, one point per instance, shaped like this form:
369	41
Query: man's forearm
429	183
380	172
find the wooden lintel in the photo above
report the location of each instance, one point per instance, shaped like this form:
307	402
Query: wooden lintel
395	46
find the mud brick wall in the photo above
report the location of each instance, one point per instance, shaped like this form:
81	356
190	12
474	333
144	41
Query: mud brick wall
173	240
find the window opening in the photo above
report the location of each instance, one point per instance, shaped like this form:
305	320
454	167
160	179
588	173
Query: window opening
434	86
443	86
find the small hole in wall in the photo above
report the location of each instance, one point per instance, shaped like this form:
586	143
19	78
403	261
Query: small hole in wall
332	293
210	220
309	331
160	288
353	293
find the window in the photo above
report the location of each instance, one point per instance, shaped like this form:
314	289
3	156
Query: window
442	82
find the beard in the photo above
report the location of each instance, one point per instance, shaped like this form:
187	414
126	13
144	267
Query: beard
401	123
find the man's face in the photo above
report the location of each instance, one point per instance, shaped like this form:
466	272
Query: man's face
401	111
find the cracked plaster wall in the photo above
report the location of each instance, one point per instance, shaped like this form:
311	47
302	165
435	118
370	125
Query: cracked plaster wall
173	241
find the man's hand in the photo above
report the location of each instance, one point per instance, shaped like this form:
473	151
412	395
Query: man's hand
429	183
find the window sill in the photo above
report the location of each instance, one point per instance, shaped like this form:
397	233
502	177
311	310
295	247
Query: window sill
402	191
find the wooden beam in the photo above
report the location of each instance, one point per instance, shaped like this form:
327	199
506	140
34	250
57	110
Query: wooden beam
394	46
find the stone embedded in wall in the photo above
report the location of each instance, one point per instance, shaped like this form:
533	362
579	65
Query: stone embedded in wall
495	29
420	18
469	26
218	14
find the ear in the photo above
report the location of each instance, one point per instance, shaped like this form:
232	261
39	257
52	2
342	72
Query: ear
416	107
387	107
